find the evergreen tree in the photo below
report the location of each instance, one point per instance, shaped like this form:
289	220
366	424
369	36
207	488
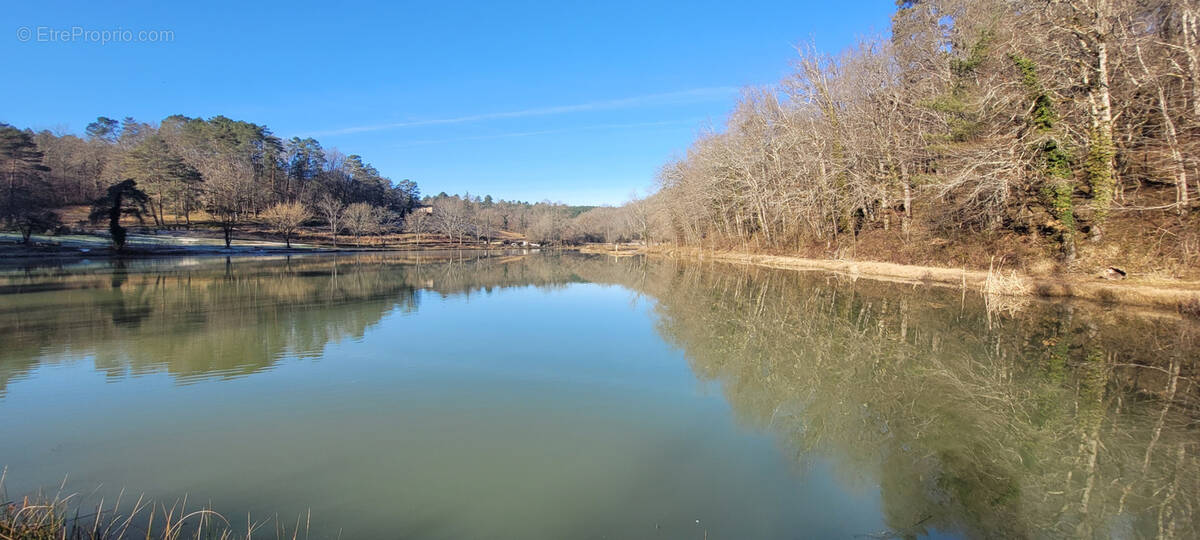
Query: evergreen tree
122	199
165	177
25	195
104	129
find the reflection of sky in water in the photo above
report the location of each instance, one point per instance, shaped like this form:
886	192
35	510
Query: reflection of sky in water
523	413
517	397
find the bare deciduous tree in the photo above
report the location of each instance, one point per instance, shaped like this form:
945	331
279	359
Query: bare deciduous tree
331	208
363	218
452	217
286	218
417	223
976	116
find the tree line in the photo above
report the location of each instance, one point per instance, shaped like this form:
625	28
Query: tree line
466	217
1052	119
233	171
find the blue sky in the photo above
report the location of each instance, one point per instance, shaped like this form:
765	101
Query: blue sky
578	102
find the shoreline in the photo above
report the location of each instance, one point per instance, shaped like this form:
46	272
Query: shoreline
96	247
1165	295
1171	295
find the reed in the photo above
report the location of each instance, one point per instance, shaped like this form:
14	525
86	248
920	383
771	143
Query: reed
59	517
1004	292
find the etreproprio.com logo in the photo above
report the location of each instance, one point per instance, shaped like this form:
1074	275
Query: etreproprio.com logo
102	36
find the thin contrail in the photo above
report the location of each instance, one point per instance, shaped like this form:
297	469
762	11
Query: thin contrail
692	121
683	96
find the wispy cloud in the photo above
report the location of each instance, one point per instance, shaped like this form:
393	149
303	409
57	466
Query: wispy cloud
695	95
596	127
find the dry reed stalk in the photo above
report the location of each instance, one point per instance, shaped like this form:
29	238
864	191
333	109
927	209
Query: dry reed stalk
39	517
1004	292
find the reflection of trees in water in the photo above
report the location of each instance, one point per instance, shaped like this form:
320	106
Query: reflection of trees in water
196	318
485	274
1064	421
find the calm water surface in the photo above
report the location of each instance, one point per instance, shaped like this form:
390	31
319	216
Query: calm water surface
541	396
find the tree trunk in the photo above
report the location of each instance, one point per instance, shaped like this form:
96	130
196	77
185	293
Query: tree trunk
1101	174
1181	181
114	223
1188	18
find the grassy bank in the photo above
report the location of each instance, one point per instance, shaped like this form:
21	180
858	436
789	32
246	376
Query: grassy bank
198	243
615	250
203	234
61	517
1144	291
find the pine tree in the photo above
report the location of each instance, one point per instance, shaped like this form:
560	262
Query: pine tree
122	199
163	175
24	197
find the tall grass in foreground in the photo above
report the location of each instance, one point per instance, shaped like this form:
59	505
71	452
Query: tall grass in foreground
59	517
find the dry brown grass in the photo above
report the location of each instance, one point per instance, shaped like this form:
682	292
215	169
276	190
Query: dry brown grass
58	517
1000	283
1159	294
203	225
609	249
1005	292
1190	307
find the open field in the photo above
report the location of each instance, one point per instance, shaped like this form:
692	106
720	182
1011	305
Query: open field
203	236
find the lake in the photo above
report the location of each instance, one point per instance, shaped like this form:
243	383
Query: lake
547	396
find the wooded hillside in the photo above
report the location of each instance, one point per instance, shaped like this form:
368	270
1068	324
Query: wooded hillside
1052	129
